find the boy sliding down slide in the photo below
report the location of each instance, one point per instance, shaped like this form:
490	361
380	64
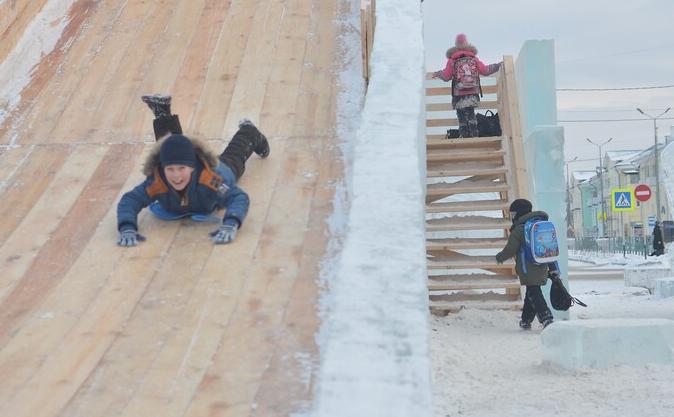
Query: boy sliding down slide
183	178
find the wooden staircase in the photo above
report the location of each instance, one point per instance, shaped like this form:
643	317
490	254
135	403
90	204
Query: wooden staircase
470	183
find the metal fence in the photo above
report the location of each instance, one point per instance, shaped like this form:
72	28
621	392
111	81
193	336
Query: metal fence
634	245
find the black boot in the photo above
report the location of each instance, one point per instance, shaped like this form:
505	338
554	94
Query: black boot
261	145
159	104
246	140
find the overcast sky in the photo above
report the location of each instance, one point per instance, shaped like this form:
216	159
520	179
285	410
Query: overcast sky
598	44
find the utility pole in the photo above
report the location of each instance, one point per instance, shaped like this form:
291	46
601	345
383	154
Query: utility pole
601	184
657	157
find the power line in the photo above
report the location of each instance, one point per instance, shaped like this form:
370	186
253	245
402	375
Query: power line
601	111
656	48
617	89
611	120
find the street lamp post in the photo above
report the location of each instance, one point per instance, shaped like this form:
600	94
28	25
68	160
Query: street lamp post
657	163
569	218
601	183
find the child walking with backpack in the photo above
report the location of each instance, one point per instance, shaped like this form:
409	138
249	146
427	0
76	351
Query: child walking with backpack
532	273
464	69
184	179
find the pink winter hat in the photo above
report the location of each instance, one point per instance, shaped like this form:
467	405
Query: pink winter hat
461	39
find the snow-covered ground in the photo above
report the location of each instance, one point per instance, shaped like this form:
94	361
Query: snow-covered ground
39	39
484	365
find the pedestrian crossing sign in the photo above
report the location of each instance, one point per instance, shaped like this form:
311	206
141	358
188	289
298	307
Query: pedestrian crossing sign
623	199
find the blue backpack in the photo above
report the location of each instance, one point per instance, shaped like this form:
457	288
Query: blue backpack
540	243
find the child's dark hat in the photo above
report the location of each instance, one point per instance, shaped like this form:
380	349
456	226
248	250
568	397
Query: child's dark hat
520	206
177	150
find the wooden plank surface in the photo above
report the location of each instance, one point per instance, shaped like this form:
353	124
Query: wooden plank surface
481	142
464	243
467	206
469	155
447	91
484	104
176	326
467	223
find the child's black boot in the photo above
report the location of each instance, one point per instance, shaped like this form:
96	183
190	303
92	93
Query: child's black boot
260	143
159	104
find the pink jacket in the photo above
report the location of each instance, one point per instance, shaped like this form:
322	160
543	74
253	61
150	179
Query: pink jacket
458	52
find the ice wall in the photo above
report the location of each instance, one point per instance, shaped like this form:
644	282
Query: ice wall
374	338
543	139
602	343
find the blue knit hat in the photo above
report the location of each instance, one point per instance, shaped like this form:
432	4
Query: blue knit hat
177	150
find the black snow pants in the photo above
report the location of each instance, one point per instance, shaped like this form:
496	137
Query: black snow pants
535	305
235	155
467	122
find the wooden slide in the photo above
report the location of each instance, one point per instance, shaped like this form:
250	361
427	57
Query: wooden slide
176	326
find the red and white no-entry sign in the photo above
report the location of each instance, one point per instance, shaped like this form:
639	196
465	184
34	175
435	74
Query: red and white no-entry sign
642	192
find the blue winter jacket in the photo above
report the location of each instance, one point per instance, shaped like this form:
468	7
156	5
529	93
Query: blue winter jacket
213	187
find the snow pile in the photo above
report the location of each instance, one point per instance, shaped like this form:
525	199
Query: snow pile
38	40
484	365
374	337
617	259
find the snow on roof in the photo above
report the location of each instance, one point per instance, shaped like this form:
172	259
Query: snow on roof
622	155
580	176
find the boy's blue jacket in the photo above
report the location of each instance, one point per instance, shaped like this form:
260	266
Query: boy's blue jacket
213	187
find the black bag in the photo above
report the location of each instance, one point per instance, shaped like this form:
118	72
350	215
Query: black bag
488	124
453	133
559	296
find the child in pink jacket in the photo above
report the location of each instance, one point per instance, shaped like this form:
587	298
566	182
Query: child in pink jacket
464	69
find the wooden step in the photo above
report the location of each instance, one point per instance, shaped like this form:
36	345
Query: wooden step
444	155
468	262
447	91
467	206
447	170
489	78
443	136
482	142
448	224
465	243
471	281
484	104
445	307
452	121
441	190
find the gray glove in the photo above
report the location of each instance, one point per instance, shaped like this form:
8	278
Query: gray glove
129	237
224	234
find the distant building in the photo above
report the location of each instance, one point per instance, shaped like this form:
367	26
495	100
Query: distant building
622	169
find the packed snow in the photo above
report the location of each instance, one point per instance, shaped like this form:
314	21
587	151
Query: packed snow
484	365
39	39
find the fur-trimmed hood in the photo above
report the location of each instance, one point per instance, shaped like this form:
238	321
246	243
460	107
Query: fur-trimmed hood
201	149
467	47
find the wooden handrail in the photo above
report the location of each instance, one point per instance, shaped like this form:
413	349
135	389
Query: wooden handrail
509	114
